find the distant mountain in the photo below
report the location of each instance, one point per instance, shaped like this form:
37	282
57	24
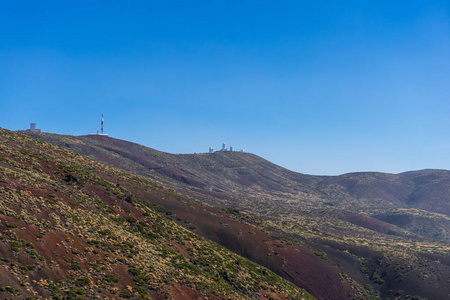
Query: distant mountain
226	177
387	233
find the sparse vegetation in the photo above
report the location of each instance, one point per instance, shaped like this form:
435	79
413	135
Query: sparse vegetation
106	245
348	221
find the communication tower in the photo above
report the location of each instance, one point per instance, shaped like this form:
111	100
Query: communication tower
101	129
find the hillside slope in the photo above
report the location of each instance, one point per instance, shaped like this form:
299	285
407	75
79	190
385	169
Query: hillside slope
410	200
236	171
70	230
368	229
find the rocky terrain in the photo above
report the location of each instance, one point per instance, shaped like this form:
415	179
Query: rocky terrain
71	229
411	200
358	235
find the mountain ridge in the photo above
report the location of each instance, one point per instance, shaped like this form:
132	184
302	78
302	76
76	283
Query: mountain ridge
406	188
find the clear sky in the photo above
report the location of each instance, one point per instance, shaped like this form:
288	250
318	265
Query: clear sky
319	87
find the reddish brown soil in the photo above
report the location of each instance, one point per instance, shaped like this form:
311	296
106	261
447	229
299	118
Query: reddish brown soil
297	264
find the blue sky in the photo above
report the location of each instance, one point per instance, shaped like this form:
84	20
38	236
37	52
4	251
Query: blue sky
319	87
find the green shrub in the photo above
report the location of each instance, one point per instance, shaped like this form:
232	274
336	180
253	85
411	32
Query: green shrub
377	279
125	294
110	278
11	225
73	293
82	281
10	289
75	266
130	219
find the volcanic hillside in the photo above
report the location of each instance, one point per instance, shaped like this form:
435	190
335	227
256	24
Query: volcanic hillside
380	231
417	201
70	229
